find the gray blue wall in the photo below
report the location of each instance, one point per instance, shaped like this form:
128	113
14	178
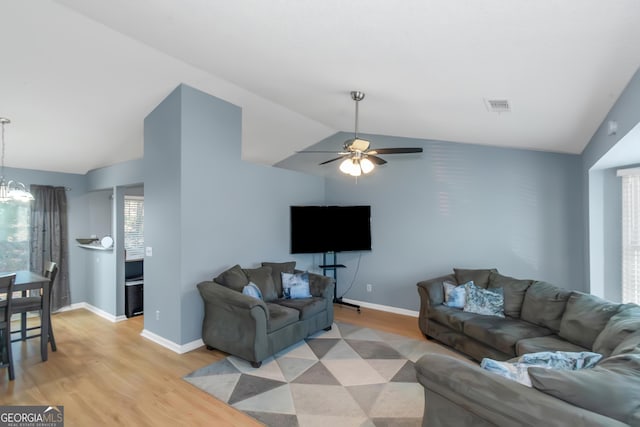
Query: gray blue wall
161	165
603	154
206	209
77	218
612	234
461	205
103	281
120	174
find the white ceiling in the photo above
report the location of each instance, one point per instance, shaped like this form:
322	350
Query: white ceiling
79	76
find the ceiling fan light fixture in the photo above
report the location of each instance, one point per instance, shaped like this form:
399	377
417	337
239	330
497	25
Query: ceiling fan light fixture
366	165
351	166
357	144
357	158
356	170
355	166
346	166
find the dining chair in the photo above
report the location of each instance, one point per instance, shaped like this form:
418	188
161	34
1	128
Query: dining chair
6	355
34	303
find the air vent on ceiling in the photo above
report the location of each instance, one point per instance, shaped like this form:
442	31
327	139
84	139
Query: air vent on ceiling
498	105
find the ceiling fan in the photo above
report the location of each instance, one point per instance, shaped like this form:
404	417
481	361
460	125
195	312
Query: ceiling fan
358	157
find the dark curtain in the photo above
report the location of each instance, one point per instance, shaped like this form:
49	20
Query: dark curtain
49	240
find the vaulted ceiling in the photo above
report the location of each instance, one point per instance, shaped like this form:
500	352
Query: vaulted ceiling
79	76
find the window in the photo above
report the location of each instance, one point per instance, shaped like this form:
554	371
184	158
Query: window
133	227
630	235
14	236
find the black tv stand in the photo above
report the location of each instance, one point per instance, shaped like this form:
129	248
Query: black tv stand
334	267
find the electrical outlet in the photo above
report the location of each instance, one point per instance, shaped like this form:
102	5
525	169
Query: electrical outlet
369	287
157	314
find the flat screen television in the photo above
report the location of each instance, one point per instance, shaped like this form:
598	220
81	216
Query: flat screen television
319	229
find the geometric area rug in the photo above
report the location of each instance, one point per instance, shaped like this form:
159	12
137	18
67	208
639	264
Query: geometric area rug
346	377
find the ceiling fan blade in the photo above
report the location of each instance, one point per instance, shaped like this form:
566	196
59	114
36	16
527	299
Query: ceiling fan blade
396	150
333	160
375	159
314	151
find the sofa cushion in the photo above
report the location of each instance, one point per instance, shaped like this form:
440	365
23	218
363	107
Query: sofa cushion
261	276
585	316
307	307
280	316
501	334
514	291
277	268
544	304
622	324
631	344
233	278
546	343
454	318
479	277
612	388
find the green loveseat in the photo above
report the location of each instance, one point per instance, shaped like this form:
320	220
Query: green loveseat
538	317
254	329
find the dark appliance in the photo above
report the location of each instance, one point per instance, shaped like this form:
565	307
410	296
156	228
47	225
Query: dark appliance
133	288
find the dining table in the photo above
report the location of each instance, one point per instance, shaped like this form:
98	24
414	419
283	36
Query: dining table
28	280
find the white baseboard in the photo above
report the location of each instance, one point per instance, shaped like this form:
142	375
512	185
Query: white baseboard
380	307
100	312
178	348
185	348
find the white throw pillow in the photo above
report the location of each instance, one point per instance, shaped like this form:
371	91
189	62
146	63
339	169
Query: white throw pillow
454	295
296	285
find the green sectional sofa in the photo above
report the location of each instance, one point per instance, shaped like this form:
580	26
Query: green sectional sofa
538	317
254	329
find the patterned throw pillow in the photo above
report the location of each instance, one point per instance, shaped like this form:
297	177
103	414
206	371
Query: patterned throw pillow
295	286
517	369
484	301
454	295
252	290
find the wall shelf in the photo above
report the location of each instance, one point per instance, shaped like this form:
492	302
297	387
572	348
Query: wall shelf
96	247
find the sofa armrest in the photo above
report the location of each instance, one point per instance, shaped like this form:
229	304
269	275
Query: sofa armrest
431	289
431	295
321	286
234	322
215	293
479	394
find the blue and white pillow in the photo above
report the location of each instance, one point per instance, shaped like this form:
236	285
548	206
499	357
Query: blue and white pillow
517	369
454	295
484	301
252	290
295	285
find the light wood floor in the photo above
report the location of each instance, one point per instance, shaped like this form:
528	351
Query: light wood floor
107	374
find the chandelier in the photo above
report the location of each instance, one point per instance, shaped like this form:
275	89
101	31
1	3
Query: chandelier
11	190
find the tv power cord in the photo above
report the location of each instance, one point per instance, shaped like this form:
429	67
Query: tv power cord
353	280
